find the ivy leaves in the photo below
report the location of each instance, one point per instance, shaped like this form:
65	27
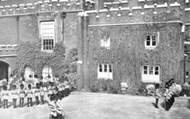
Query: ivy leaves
30	55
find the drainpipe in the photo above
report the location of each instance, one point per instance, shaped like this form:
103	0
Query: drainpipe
185	55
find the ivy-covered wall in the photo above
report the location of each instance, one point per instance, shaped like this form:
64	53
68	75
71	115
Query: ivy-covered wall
128	53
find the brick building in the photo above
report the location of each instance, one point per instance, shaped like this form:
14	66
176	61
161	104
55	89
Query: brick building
133	41
43	22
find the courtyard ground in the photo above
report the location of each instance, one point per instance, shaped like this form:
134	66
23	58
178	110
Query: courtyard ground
83	105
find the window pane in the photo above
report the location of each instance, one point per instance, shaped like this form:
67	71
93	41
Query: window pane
153	38
100	68
151	70
187	73
110	68
105	67
148	38
145	70
156	70
153	43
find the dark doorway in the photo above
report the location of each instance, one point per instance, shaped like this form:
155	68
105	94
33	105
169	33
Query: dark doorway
3	70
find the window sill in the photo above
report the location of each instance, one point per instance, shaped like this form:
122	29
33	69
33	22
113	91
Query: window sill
149	48
148	81
47	51
105	78
108	48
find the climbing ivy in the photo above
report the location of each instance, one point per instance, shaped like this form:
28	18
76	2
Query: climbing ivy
128	53
30	55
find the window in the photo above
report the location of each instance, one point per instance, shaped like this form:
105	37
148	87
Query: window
152	40
47	35
105	71
28	73
151	74
187	74
47	74
105	42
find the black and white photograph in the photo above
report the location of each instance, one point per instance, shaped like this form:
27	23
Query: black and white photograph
94	59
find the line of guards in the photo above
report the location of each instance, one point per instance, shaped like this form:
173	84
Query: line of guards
38	94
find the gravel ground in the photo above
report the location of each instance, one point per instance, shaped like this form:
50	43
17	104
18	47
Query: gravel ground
83	105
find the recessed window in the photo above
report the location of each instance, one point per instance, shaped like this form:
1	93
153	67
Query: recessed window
29	73
152	40
105	42
47	35
105	71
47	74
151	74
187	74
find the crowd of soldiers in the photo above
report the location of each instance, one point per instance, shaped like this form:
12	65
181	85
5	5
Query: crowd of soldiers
29	94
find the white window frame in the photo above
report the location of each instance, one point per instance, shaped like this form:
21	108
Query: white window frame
151	35
51	35
106	72
105	42
152	75
47	71
28	71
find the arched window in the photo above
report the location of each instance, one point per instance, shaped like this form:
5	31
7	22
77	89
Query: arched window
47	73
29	73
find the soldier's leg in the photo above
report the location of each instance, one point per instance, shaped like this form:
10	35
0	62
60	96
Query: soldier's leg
6	103
31	102
22	102
0	102
28	101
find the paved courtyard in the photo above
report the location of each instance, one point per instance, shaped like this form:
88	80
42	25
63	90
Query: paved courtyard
82	105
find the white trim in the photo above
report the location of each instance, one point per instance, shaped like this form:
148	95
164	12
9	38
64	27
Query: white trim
183	28
187	9
63	0
11	55
137	8
115	3
7	6
39	2
54	0
103	10
136	23
114	9
123	2
46	1
141	0
79	62
148	6
125	8
186	42
29	4
21	5
162	5
176	4
14	5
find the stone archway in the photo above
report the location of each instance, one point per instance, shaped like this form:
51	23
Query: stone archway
4	69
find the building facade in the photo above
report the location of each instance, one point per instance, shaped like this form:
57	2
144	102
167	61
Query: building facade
30	32
133	41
